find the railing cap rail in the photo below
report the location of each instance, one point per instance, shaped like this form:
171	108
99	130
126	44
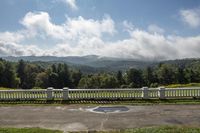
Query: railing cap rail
24	90
106	89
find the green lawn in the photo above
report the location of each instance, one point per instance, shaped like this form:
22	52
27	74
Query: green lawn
162	129
165	129
27	130
3	88
183	85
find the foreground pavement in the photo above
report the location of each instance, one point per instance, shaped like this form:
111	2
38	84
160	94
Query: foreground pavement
81	118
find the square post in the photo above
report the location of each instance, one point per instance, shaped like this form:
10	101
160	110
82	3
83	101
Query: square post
50	93
66	93
161	93
145	92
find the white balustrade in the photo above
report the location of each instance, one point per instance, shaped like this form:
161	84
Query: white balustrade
101	94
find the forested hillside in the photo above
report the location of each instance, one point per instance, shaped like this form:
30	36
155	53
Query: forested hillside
27	75
87	64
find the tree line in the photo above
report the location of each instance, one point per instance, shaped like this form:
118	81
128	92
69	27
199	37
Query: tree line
27	75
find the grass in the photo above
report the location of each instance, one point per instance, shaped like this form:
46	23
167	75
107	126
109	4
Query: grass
183	85
3	88
162	129
27	130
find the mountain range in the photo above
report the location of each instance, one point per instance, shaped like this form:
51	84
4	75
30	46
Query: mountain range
94	63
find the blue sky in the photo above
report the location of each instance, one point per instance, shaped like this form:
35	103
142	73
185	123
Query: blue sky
117	28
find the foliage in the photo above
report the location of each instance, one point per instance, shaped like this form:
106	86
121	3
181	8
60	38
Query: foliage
8	77
98	81
27	75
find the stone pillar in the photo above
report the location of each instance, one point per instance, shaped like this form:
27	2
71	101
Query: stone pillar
66	93
145	92
50	93
161	93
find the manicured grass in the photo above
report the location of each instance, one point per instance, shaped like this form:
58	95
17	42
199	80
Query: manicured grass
164	129
27	130
183	85
3	88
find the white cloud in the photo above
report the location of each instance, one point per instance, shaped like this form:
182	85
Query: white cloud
128	26
155	29
80	27
81	36
11	37
71	4
39	23
7	49
191	17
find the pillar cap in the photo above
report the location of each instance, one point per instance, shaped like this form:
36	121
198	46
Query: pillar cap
50	88
65	88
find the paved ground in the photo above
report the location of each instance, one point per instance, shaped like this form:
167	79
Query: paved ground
80	117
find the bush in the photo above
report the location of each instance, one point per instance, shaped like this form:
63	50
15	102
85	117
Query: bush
154	85
124	86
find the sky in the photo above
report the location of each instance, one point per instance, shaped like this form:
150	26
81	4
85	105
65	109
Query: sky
134	29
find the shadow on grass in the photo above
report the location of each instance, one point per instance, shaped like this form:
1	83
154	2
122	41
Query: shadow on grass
102	101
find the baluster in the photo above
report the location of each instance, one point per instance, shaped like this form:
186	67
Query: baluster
80	92
92	94
77	95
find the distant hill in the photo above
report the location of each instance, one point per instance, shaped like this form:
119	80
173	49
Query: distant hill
94	63
89	62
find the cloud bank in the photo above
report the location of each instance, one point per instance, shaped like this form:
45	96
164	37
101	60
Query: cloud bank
80	36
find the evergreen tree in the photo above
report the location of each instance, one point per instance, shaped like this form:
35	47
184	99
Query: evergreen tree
134	78
20	72
9	78
120	78
76	77
148	76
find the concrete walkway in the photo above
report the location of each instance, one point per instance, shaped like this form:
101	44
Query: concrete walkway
80	117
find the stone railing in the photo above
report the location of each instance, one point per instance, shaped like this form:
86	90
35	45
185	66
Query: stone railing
100	94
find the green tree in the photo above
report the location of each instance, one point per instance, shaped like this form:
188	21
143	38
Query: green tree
20	72
64	76
9	78
76	77
148	76
108	81
53	80
167	74
30	72
181	76
120	78
42	80
134	78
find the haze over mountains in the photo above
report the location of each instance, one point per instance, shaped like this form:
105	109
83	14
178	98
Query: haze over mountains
94	63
